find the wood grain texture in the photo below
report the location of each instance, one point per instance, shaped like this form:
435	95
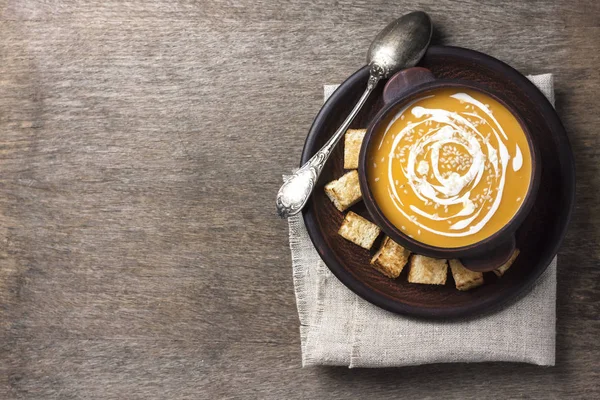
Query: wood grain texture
141	147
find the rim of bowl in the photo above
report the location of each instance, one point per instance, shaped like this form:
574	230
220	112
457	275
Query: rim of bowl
486	244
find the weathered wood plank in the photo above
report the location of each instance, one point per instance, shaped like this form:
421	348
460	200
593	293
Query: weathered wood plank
141	146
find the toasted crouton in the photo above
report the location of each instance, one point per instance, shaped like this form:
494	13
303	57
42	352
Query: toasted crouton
344	192
359	230
352	142
390	259
501	270
431	271
464	278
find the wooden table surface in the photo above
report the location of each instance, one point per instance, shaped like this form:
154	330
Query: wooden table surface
141	147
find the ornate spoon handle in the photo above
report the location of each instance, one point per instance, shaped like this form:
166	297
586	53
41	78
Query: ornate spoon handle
296	190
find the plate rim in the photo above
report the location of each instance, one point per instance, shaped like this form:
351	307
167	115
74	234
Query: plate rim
492	303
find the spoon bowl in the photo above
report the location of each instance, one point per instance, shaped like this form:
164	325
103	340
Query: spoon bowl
402	43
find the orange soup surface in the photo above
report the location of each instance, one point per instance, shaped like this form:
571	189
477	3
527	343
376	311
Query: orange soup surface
451	168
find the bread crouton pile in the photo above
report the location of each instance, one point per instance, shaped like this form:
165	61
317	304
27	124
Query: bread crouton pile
391	258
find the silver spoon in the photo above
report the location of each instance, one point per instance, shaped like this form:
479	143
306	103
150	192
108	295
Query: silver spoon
399	45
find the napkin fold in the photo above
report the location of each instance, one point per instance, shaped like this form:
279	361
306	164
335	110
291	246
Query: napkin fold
337	327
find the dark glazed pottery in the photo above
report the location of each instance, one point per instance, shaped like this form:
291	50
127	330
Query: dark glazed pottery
485	255
539	236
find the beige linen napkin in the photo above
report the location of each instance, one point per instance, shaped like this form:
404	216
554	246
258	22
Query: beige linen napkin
339	328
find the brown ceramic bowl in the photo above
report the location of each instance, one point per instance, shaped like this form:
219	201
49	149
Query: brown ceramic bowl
485	255
538	237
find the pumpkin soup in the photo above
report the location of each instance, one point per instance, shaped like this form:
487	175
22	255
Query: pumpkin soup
451	168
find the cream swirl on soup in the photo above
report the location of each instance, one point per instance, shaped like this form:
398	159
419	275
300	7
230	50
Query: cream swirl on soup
443	164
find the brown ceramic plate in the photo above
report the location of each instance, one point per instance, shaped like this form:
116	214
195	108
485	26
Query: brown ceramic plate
538	238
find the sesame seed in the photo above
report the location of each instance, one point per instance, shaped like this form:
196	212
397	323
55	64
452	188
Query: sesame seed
376	179
419	232
403	227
